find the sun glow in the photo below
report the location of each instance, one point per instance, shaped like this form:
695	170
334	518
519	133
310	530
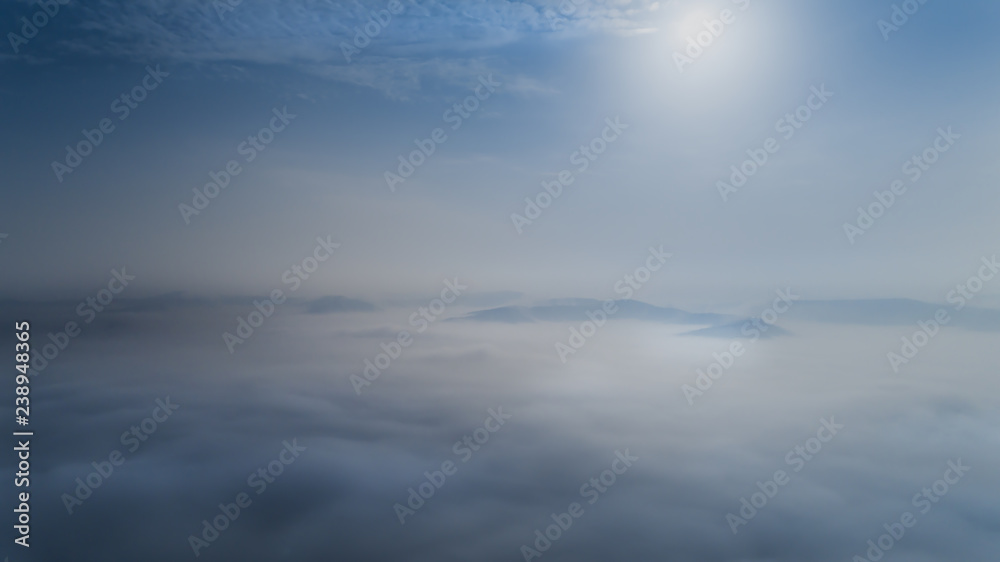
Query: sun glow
690	24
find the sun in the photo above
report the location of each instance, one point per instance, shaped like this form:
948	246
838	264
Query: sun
691	24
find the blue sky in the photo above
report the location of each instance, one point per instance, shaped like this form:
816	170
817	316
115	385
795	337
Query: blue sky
324	175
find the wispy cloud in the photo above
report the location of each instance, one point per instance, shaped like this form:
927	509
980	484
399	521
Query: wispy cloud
428	38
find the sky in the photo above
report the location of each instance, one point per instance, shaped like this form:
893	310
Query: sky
487	177
325	175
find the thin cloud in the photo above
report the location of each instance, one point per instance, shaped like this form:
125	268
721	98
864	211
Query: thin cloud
428	39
